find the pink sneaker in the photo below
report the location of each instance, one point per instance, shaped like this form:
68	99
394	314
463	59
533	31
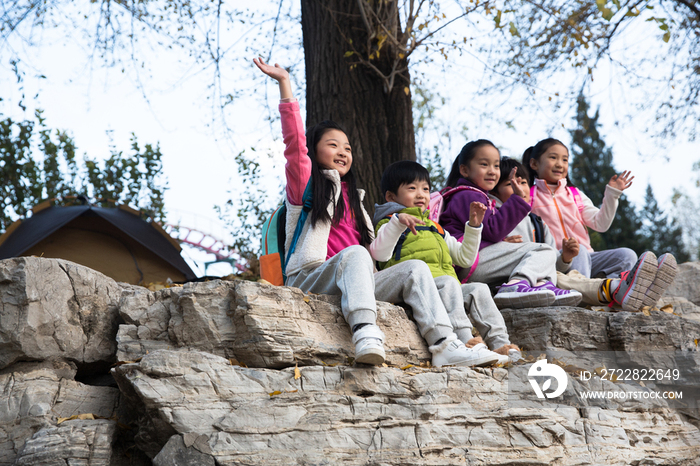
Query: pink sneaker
634	284
665	274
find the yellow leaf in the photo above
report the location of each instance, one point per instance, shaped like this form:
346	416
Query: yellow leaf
407	366
667	309
645	311
406	90
275	393
76	416
696	342
297	373
349	53
385	364
306	299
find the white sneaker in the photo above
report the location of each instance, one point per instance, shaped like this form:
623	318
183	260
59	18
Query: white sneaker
369	345
514	355
501	358
452	352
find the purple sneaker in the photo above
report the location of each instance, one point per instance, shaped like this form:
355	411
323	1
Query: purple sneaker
665	273
521	295
562	297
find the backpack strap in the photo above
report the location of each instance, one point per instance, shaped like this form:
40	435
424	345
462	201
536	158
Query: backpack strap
307	204
471	269
577	198
538	225
448	192
399	244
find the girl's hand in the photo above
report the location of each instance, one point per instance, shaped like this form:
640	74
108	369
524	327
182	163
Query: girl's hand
622	181
513	239
569	249
277	73
410	221
476	214
516	184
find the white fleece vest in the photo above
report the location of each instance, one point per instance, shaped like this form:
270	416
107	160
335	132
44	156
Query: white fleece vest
312	246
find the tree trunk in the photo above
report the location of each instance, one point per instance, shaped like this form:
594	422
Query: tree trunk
379	124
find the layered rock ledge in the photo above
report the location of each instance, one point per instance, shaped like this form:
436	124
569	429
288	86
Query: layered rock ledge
94	372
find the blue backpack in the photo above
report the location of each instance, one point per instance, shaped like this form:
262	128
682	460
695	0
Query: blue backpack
273	260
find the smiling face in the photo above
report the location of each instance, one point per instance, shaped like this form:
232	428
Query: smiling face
414	194
505	190
553	164
483	170
333	152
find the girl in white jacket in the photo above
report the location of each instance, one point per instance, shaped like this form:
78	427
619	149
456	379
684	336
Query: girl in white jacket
331	255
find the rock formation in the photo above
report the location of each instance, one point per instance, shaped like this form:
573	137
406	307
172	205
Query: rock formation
93	372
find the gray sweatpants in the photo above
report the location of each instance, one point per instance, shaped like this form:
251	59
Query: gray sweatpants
609	263
350	274
503	261
486	316
476	298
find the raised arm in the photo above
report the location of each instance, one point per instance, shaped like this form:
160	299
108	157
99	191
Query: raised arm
279	74
298	167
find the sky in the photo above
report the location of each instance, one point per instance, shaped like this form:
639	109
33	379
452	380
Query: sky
170	106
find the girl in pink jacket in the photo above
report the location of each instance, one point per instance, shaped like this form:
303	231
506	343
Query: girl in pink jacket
568	213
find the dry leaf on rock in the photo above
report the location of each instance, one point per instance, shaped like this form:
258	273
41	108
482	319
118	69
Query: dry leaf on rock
83	417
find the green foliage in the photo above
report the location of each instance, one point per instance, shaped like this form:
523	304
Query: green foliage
248	208
427	125
590	171
686	206
131	179
661	234
38	163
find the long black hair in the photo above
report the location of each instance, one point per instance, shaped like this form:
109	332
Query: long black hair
324	189
535	152
465	156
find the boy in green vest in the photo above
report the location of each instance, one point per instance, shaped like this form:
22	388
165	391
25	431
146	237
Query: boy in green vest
404	232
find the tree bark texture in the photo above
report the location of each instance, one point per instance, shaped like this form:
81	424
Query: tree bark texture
378	121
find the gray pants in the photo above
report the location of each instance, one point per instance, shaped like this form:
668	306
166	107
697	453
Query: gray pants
350	275
503	262
604	264
486	316
476	298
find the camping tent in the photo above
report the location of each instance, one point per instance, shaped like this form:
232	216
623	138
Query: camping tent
115	241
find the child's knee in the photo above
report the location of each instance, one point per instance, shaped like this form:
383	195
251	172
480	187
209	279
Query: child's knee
418	269
628	257
357	253
480	290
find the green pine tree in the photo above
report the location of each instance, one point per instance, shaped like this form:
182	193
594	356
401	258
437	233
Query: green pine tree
661	235
590	171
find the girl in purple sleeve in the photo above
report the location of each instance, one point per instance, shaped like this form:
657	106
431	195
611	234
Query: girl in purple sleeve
528	269
331	255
